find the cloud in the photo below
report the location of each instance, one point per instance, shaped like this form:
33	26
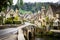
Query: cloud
54	1
14	2
41	1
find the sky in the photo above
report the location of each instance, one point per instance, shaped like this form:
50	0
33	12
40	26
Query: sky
32	1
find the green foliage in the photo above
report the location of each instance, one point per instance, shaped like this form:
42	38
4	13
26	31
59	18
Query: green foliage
43	26
10	2
33	7
12	20
49	33
4	4
16	18
24	12
1	19
20	3
16	22
8	21
47	19
51	22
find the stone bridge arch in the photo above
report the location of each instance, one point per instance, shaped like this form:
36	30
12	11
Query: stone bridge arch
29	31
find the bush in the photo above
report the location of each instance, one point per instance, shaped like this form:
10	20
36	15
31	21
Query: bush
8	21
16	22
1	19
13	20
50	33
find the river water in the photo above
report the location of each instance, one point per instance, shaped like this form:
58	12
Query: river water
47	38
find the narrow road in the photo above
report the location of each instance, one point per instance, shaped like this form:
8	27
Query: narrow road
10	31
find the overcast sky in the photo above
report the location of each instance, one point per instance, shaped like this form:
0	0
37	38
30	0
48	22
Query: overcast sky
32	1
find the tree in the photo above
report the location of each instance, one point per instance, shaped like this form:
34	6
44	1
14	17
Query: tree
3	7
4	4
20	3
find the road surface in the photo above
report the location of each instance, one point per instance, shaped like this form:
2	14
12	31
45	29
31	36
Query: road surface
10	31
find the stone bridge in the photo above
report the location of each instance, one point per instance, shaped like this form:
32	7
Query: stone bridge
28	30
17	33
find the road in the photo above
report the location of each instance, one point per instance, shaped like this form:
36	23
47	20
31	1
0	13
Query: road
10	31
7	32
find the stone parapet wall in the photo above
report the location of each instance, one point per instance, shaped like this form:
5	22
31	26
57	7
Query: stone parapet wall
9	26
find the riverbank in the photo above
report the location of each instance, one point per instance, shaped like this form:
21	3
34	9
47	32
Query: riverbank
47	38
47	34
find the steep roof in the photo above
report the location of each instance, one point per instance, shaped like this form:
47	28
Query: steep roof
55	7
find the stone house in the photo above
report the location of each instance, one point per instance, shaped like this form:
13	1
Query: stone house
13	13
54	12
